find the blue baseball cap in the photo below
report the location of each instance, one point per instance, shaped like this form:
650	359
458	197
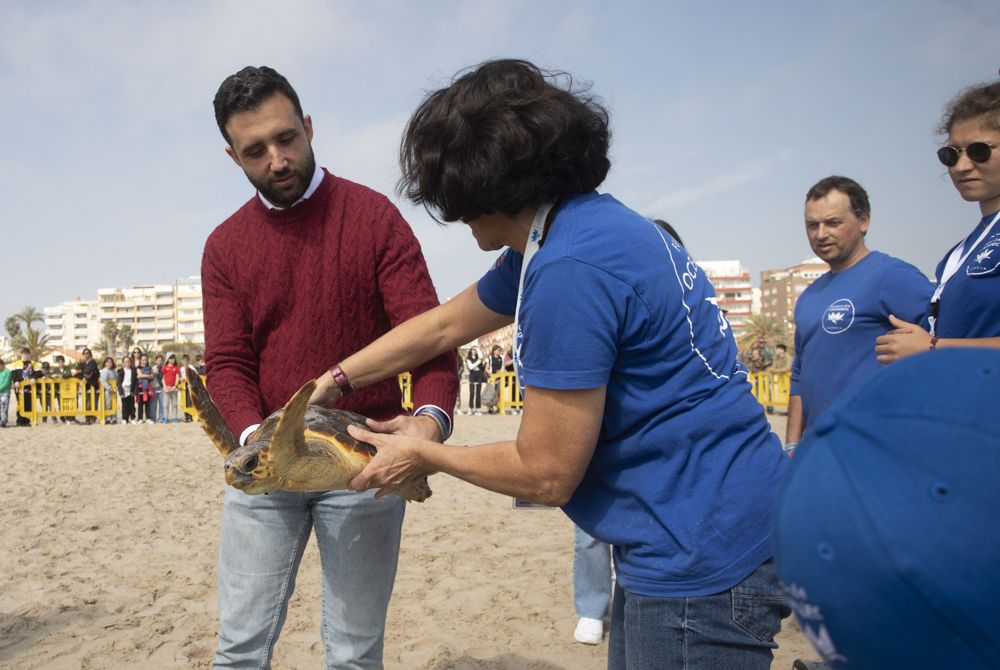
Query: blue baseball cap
887	524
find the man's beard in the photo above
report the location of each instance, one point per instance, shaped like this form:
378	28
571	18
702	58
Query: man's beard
285	199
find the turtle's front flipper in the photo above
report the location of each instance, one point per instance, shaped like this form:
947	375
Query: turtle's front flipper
209	415
289	439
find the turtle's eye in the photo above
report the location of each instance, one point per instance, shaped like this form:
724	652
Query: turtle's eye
251	463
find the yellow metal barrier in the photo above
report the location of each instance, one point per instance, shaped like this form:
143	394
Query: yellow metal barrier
771	388
508	391
65	398
184	402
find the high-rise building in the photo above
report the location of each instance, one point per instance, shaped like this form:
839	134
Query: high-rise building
157	314
73	325
731	281
780	289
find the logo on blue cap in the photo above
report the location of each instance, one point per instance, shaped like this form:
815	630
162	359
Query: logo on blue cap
838	317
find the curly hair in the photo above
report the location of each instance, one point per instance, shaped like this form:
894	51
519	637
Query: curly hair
858	196
246	90
504	135
976	102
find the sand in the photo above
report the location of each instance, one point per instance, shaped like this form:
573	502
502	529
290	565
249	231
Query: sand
110	544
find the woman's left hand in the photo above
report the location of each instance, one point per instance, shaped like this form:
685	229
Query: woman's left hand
397	462
905	340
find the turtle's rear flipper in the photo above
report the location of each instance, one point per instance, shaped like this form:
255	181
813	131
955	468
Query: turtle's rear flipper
289	439
209	416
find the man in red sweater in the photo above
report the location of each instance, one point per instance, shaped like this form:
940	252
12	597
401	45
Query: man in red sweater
310	269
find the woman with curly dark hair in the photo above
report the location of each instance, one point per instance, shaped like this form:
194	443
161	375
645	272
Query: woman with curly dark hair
638	418
965	309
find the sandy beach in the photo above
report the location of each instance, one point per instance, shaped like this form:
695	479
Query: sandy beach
110	547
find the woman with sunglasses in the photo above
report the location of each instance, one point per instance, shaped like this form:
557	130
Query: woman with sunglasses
965	307
638	418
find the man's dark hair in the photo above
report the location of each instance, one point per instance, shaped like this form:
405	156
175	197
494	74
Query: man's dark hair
976	102
25	350
503	136
852	189
246	90
781	346
669	230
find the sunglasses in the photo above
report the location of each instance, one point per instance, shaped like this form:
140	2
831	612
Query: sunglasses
978	152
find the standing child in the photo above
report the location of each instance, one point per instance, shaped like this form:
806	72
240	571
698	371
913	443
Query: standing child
108	379
143	400
128	385
170	373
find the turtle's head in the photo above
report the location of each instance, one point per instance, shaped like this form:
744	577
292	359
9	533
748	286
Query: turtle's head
249	469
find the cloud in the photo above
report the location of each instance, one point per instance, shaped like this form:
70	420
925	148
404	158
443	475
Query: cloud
720	184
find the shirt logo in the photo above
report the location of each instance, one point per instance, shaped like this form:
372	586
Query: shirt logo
987	260
838	317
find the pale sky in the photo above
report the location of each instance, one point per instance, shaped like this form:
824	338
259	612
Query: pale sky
723	114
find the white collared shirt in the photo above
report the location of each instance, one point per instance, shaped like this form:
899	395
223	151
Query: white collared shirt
313	185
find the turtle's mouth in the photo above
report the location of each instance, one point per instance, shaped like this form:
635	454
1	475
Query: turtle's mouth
239	472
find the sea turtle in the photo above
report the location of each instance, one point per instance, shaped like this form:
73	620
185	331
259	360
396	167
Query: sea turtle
301	447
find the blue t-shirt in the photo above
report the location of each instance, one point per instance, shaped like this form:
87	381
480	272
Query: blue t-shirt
683	474
839	316
970	302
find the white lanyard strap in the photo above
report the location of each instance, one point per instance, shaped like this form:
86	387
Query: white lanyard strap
530	247
955	261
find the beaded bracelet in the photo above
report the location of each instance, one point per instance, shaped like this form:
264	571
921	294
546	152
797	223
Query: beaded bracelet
340	379
439	415
790	447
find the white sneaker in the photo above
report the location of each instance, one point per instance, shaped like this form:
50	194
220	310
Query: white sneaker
478	413
589	631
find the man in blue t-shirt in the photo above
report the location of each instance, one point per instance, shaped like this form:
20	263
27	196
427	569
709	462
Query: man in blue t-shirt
839	316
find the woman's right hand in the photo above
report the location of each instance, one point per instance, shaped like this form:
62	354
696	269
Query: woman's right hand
327	392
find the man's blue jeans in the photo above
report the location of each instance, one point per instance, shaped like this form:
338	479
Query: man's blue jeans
732	629
263	538
591	575
4	407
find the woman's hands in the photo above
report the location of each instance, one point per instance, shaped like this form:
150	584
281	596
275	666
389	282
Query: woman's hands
905	340
327	392
398	460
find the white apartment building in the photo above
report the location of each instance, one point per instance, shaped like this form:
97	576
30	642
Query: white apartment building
731	281
73	325
157	313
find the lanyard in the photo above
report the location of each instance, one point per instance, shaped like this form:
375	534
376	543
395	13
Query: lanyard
530	247
955	261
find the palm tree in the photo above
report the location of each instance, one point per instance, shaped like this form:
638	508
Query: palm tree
37	343
29	315
13	327
110	343
762	327
126	336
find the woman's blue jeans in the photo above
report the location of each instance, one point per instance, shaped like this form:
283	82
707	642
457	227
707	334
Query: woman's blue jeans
591	575
733	629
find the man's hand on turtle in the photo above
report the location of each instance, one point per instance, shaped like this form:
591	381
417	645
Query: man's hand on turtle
397	462
423	427
327	392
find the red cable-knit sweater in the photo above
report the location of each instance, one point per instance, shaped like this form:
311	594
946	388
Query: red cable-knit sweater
288	293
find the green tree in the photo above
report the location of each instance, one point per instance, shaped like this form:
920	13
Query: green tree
109	345
13	327
37	343
762	327
126	336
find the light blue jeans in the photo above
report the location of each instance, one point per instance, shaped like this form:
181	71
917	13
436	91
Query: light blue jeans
262	541
591	575
732	629
4	407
